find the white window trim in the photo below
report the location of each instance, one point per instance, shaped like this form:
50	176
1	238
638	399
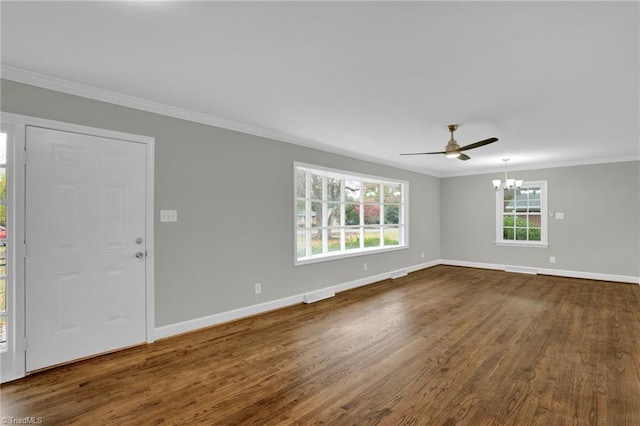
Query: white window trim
404	223
544	220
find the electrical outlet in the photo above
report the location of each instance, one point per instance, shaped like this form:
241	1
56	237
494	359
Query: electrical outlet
552	259
258	288
365	266
423	255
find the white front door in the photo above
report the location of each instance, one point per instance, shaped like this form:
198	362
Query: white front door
85	245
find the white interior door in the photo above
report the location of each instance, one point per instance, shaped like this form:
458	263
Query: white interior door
85	245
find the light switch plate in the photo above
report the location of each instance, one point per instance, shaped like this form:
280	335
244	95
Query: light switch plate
168	215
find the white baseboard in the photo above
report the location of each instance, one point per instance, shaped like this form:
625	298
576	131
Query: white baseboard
466	264
215	319
590	275
544	271
211	320
208	321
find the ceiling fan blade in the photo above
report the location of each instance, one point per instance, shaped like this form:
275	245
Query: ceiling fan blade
424	153
479	144
463	157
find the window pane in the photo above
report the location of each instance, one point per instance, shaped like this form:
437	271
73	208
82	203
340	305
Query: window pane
508	206
316	240
301	213
316	187
534	234
3	332
521	234
301	176
3	296
3	259
392	193
522	206
522	220
352	190
507	221
392	214
352	214
333	214
3	148
301	243
508	227
509	194
352	238
316	213
391	236
334	239
535	220
333	189
534	193
371	192
372	214
371	237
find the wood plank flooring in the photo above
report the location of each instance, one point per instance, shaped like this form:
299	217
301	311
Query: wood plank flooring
442	346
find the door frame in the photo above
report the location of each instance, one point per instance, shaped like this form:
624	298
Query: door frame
16	242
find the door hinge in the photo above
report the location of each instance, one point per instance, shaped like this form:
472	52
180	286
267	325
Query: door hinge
25	343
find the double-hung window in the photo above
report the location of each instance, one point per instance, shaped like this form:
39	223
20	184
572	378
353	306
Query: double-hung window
339	213
521	215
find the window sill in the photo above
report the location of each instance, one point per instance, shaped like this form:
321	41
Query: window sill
522	244
343	255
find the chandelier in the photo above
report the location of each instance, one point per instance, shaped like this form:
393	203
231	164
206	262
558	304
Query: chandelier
507	183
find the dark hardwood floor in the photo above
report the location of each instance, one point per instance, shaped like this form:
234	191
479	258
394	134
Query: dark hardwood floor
442	346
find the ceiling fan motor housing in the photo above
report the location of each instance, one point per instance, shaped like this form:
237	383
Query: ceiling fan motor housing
452	145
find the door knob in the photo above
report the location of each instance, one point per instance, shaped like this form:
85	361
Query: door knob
139	254
139	240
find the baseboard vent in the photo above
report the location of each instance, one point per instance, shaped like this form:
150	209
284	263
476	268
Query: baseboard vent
397	274
520	270
316	296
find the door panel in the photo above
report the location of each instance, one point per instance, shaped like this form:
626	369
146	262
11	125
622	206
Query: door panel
66	289
85	208
67	215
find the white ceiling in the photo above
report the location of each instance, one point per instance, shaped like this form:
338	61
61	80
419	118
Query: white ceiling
556	82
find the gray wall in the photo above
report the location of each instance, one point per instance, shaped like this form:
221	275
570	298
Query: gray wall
234	196
600	232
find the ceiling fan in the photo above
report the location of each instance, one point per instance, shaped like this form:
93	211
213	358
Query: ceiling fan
453	150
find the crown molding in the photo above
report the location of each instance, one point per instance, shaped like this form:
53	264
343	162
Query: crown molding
59	85
540	166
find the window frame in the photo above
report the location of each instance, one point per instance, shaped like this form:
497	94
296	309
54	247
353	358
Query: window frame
544	217
362	227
